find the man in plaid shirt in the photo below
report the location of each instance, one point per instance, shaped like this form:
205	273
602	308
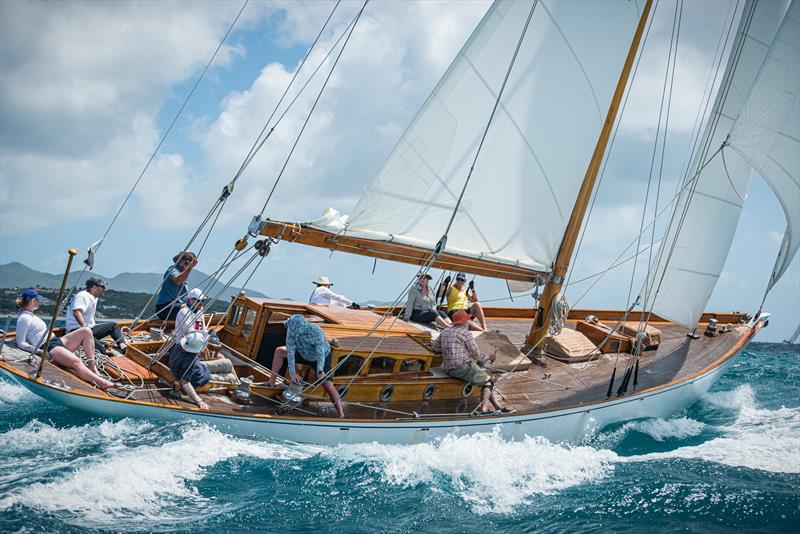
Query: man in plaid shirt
459	356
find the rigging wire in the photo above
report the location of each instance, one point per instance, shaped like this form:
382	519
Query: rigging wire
727	83
313	107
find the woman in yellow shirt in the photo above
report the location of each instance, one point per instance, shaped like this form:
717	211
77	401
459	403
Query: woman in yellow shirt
458	299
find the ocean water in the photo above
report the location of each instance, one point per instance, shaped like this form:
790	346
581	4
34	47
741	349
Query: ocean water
731	461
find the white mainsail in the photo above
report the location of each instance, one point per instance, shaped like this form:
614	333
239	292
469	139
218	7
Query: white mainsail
706	214
767	132
536	153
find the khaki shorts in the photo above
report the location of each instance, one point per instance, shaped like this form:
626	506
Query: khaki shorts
469	372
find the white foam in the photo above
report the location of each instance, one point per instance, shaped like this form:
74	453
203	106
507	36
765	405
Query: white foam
11	393
763	439
490	474
140	483
661	429
38	436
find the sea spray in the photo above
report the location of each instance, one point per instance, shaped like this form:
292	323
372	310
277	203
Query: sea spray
487	472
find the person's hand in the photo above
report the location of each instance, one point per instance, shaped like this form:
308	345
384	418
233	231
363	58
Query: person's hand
471	285
203	406
296	378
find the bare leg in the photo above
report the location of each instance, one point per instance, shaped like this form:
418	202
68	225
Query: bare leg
477	312
442	323
67	359
277	362
484	406
493	400
82	337
472	325
334	395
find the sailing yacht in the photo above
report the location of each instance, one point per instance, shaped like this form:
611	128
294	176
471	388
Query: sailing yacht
493	177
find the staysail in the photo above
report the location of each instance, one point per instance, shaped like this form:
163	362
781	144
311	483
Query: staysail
767	132
524	185
707	212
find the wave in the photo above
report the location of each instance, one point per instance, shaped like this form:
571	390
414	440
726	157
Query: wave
39	436
144	482
757	439
11	393
487	472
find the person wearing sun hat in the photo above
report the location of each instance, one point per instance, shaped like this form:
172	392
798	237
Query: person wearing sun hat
458	298
460	357
190	316
323	295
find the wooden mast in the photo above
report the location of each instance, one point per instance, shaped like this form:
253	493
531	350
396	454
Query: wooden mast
561	264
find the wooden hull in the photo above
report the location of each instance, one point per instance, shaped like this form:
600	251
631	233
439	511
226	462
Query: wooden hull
563	422
569	425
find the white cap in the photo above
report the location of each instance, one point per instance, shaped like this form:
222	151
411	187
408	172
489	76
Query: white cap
323	281
195	294
194	341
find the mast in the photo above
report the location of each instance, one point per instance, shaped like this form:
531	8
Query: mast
561	264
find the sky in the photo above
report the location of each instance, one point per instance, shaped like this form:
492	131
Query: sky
87	90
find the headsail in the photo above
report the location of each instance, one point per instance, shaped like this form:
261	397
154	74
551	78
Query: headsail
767	132
707	212
525	182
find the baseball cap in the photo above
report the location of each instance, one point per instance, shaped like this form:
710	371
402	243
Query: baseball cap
95	282
30	294
461	276
195	294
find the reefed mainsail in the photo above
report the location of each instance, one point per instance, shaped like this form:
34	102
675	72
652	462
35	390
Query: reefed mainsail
523	188
767	132
707	212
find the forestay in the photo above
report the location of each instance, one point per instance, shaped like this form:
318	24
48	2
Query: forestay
767	133
707	212
520	196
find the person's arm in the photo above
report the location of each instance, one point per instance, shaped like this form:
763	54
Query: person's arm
471	293
78	314
436	344
412	297
290	351
339	298
472	348
188	388
184	275
22	336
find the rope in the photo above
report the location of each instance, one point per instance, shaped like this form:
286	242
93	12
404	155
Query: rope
311	111
174	120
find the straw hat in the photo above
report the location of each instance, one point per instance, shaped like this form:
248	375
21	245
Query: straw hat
323	281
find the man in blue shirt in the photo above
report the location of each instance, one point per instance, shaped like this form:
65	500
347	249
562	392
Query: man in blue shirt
306	343
173	288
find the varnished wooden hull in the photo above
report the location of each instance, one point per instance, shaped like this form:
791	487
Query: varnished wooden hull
560	423
569	425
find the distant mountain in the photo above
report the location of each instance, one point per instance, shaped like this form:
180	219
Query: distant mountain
16	274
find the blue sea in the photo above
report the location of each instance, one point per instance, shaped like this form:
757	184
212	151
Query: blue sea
731	461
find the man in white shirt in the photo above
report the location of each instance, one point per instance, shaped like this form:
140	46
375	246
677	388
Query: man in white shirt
323	295
81	313
190	316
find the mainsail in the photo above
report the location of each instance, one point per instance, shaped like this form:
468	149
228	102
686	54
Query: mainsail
524	185
707	212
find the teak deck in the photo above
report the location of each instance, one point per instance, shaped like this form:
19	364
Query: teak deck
546	385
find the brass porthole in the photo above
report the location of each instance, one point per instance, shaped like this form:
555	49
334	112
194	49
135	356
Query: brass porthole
386	393
467	391
428	392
